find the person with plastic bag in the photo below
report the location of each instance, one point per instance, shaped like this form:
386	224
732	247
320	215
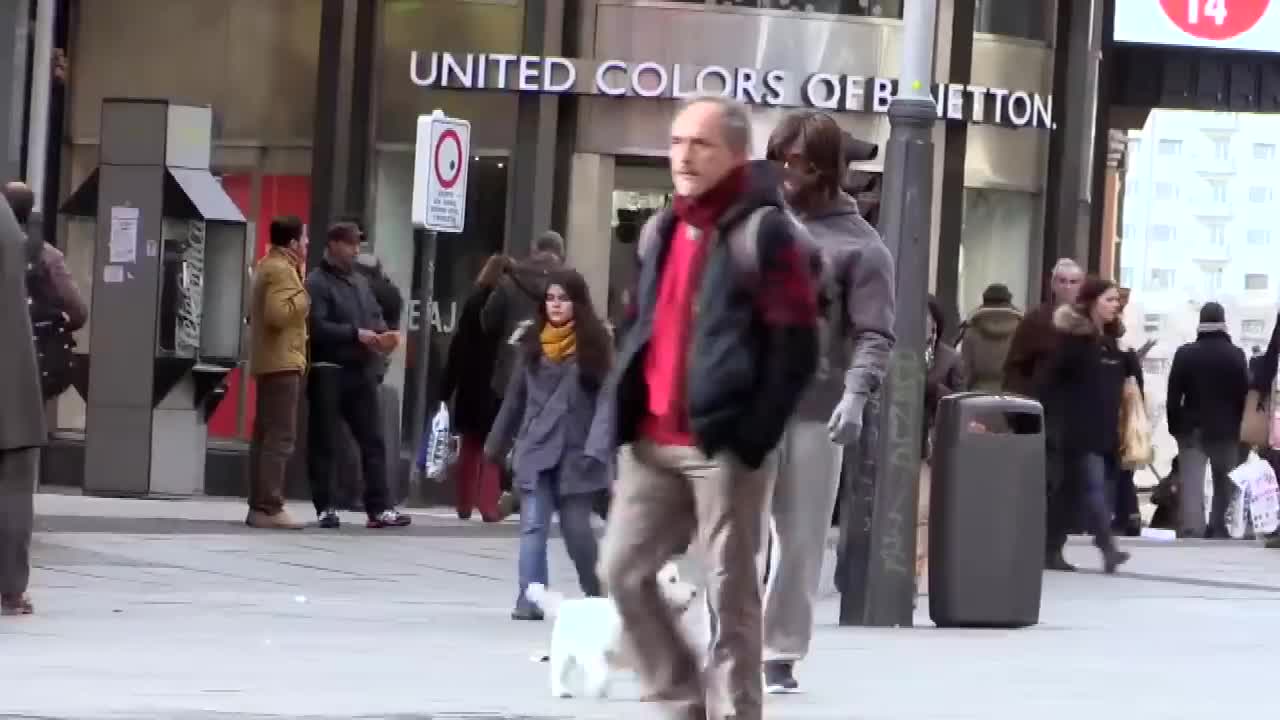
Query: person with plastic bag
1206	401
467	387
561	426
1089	374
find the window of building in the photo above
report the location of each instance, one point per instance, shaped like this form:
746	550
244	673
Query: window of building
1255	281
1171	147
1260	194
863	8
1135	146
1217	234
1129	232
1126	277
1218	190
1016	18
1166	191
1253	328
1259	236
1264	151
1211	279
1155	366
1160	279
1162	233
1221	149
1151	323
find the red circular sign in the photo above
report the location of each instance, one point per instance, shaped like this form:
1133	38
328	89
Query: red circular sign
448	176
1215	19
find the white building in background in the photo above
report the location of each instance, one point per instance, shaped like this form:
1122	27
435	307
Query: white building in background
1201	222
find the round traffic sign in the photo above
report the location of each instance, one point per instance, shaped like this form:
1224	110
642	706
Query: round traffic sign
1215	19
448	158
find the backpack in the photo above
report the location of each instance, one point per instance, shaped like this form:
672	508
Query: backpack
54	345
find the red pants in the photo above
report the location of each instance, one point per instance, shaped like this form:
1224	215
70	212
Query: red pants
479	481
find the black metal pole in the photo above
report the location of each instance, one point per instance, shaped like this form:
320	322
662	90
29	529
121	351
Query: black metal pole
422	345
879	582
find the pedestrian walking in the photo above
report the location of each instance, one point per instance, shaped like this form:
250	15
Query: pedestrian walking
22	421
986	338
1205	404
57	307
348	339
560	424
466	385
278	310
855	283
1030	358
516	298
1087	375
721	344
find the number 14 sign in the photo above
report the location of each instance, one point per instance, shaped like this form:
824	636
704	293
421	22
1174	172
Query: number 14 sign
1215	19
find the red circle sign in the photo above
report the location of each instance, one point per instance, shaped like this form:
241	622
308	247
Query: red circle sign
448	176
1215	19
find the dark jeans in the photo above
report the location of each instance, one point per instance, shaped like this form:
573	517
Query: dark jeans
275	428
575	510
336	395
1125	507
1083	485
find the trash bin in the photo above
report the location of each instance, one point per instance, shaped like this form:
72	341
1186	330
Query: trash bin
987	512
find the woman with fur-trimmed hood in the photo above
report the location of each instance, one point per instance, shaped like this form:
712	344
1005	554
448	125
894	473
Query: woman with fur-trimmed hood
1087	378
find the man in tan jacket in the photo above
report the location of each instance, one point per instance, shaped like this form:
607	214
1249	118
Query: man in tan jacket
277	359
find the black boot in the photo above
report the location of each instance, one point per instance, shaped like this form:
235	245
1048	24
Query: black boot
1113	558
1054	560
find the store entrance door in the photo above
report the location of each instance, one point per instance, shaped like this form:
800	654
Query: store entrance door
642	186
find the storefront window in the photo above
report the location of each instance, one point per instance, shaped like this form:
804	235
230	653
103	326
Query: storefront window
995	244
865	8
1016	18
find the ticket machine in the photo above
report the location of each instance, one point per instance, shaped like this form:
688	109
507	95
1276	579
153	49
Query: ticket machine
166	320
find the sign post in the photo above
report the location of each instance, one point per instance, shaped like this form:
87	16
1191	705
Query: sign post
441	161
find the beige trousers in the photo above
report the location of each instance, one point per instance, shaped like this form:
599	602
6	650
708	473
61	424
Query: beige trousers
665	496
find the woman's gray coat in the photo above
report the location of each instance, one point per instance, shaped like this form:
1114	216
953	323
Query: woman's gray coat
554	422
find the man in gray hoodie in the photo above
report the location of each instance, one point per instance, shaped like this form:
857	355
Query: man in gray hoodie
856	335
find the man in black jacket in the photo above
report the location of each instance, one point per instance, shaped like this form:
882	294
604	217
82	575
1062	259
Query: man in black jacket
1207	386
721	343
348	341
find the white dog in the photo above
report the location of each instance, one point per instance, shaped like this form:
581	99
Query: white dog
587	643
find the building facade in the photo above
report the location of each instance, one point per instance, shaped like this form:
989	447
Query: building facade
315	105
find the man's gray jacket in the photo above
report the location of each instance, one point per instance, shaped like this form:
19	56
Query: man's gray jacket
22	423
856	324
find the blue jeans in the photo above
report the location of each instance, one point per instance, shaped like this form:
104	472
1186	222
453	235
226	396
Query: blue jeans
1085	485
536	508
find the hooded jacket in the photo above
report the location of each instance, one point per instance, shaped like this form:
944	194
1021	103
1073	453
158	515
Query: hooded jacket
1207	386
1086	377
753	347
514	301
856	313
987	336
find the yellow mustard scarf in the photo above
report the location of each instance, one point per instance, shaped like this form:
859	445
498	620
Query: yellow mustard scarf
558	343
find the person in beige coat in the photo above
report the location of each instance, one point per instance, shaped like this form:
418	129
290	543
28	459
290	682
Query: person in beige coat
22	423
277	359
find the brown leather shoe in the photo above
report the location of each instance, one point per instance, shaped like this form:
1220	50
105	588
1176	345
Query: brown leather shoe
16	605
280	521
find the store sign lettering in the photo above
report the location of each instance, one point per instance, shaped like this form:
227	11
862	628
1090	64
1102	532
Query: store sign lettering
439	323
778	88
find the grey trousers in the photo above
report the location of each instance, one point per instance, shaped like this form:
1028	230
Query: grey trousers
801	502
18	474
1193	456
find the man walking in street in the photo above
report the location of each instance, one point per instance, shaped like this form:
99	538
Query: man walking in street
987	336
348	340
1205	404
22	422
278	359
856	338
1030	358
721	343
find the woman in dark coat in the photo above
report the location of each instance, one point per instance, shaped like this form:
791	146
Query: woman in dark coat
946	373
560	424
1088	374
467	384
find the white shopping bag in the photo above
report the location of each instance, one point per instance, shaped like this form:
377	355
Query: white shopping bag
441	446
1262	494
